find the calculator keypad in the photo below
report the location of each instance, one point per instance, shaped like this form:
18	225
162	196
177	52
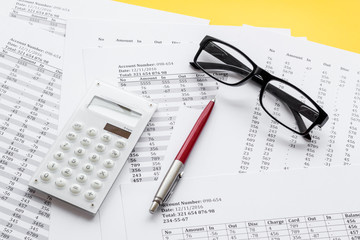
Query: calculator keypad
90	156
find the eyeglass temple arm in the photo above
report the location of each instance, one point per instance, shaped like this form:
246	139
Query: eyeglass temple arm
301	125
294	103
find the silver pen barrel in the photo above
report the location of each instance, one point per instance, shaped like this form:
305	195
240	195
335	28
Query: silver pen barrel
167	185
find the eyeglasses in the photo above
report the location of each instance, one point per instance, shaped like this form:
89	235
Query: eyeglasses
284	102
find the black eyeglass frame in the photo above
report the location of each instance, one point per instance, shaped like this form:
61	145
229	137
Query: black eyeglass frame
261	77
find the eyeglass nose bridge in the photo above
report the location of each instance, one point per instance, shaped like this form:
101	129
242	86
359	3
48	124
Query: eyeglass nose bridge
259	75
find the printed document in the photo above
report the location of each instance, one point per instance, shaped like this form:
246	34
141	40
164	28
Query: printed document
297	204
30	76
163	75
101	34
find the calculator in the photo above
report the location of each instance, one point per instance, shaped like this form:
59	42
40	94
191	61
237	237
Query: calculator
89	153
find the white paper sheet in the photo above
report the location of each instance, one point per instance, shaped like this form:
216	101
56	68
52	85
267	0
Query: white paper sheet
165	89
102	34
297	204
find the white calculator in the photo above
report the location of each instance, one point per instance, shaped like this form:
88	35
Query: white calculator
91	150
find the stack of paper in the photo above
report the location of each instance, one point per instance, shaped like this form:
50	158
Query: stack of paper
52	50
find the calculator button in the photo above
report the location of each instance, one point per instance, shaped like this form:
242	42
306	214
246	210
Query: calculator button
65	146
45	176
120	143
78	126
60	182
106	137
85	141
90	195
79	151
66	172
52	165
81	178
91	132
71	135
96	184
94	157
114	153
102	174
88	167
100	147
108	163
59	155
73	162
75	188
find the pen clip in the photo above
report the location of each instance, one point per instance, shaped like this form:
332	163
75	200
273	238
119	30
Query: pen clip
173	185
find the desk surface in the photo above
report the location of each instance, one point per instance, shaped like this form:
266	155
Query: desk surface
335	23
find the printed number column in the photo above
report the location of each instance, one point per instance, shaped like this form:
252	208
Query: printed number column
172	234
316	227
237	231
217	232
297	228
29	128
277	229
352	223
335	226
256	230
198	233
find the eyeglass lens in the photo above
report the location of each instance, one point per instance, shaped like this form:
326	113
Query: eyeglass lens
288	106
224	63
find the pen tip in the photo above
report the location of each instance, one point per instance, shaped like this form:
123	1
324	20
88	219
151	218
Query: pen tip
154	206
213	100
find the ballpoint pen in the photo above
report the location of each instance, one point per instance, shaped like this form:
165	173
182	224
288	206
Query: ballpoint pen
175	171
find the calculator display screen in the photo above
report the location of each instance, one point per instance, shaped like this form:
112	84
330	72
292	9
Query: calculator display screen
118	131
114	111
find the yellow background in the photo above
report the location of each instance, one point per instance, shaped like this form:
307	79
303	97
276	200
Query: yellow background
334	23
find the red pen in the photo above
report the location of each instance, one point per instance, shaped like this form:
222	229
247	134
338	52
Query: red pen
175	171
